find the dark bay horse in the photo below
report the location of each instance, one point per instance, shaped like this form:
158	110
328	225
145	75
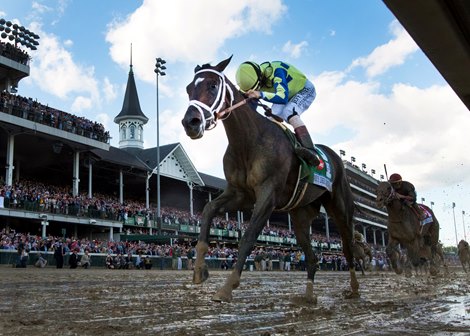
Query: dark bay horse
261	170
363	255
463	250
404	228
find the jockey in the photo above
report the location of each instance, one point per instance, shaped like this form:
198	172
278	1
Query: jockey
290	92
406	189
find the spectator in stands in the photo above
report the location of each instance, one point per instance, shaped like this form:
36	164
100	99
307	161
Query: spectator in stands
190	256
129	263
147	262
59	253
41	262
287	261
73	259
109	261
20	249
85	261
139	263
24	258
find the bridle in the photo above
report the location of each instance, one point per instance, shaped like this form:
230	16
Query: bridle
391	196
215	109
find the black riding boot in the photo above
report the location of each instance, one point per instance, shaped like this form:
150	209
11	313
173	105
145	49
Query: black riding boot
306	152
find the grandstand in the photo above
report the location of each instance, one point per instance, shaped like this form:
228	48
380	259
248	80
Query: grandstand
63	178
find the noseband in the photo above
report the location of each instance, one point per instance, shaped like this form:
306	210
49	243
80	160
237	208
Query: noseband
215	109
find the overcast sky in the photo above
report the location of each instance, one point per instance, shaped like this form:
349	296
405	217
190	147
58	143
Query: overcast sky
378	97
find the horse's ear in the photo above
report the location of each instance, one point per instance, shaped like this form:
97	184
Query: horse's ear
197	68
222	65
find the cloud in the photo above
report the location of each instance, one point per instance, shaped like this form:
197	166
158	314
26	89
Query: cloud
55	71
196	36
404	129
109	90
39	8
294	50
81	103
388	55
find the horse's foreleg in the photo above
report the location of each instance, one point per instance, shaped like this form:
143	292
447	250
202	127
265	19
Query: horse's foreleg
263	209
394	256
201	271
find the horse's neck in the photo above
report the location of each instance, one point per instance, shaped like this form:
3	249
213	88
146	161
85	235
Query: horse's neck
243	126
395	210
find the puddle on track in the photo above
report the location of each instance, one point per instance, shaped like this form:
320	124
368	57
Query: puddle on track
155	302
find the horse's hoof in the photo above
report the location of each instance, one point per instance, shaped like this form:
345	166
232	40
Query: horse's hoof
200	274
352	295
311	299
222	296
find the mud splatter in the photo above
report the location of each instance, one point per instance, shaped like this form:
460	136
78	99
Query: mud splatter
155	302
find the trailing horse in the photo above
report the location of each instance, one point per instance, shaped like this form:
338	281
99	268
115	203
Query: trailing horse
362	255
463	250
262	173
405	228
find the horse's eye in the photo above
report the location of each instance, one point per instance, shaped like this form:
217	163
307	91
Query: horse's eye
213	86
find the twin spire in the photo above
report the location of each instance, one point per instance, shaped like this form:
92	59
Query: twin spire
131	118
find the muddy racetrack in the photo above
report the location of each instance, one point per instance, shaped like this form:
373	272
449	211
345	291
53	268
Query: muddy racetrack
98	301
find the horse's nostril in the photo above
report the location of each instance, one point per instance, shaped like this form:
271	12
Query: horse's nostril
194	122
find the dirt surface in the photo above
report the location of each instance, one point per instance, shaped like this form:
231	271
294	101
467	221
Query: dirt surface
154	302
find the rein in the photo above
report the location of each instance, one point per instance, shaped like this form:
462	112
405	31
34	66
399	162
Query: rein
215	110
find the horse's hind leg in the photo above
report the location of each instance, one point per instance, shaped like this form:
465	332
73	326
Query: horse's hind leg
302	219
342	210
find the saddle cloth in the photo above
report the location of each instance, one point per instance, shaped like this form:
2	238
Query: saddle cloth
428	216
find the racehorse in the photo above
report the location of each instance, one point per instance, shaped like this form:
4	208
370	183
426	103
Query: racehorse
261	170
363	255
404	228
463	250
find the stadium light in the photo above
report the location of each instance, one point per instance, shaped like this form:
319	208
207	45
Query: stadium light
455	225
463	223
159	67
18	34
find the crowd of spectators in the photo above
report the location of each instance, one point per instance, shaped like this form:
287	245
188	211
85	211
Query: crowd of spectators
136	254
14	53
37	196
30	109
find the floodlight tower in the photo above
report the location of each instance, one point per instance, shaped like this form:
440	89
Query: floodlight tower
14	60
159	71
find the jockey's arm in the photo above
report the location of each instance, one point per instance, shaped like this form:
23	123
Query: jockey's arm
281	94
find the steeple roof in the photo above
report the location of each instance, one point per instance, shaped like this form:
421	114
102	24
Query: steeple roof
131	105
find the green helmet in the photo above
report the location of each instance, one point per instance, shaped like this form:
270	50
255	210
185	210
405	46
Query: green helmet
248	76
